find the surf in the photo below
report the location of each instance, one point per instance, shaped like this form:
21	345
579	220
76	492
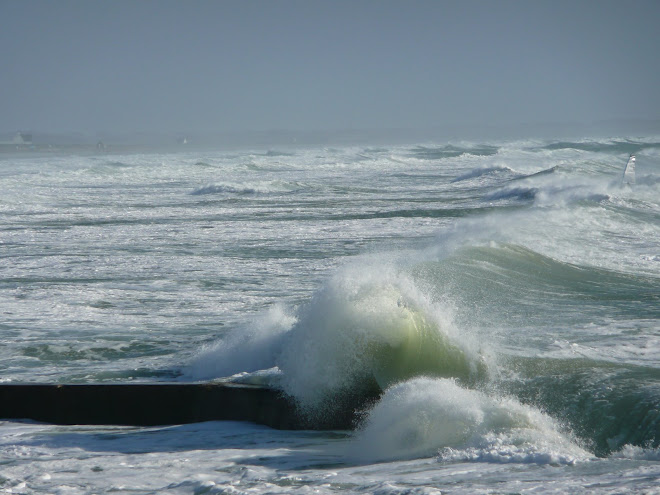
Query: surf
367	329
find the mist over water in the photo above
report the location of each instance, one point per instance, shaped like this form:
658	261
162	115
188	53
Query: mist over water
485	313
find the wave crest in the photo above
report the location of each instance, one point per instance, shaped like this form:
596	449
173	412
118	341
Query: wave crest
363	333
424	416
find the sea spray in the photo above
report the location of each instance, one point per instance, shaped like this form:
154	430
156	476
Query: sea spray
368	328
247	349
374	323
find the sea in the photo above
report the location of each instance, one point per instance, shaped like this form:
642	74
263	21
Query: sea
488	311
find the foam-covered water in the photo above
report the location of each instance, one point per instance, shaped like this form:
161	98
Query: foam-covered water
487	314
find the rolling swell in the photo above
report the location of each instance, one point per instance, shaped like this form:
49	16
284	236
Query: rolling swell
479	172
477	273
626	146
414	213
607	405
450	151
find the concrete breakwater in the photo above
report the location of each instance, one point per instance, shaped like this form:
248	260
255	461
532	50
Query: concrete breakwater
153	404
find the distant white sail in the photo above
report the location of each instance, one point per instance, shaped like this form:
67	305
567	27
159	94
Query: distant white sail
629	172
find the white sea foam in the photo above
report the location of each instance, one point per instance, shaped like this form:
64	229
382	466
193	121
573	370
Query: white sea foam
422	416
635	452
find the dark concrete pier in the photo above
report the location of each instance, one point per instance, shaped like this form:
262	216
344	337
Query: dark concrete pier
149	404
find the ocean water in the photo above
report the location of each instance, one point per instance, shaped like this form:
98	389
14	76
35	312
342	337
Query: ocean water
500	299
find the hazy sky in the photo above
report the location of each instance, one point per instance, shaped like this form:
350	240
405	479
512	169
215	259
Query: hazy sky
256	65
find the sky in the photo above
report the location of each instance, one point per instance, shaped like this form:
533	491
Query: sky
170	66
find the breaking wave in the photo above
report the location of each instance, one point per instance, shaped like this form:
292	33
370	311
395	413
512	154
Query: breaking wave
364	332
425	417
